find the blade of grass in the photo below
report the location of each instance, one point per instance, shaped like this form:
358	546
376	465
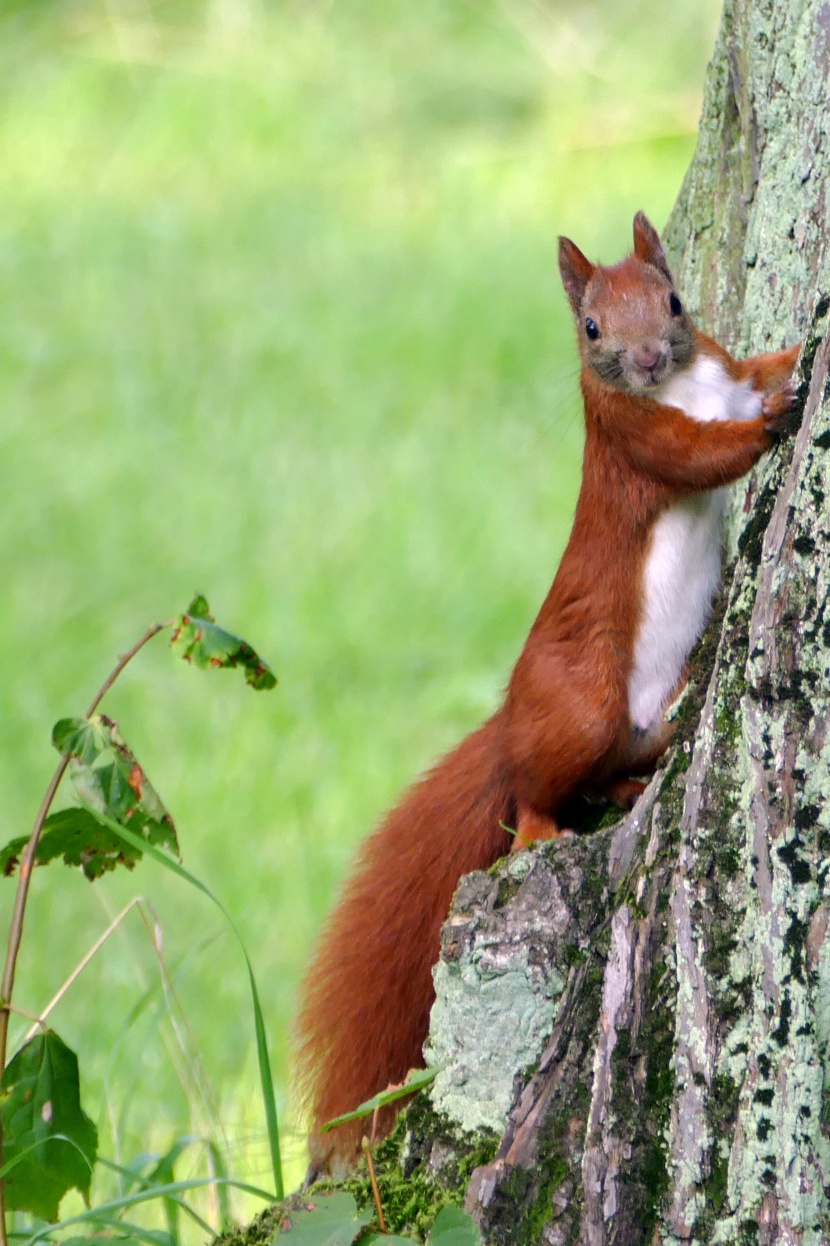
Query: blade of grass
146	1196
153	1237
416	1080
266	1080
146	1184
216	1166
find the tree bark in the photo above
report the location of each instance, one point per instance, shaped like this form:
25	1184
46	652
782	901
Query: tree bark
682	958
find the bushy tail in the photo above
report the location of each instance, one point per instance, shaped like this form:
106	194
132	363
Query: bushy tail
367	995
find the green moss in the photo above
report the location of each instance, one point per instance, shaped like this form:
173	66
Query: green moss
411	1195
751	539
748	1233
643	1117
262	1228
405	1158
507	890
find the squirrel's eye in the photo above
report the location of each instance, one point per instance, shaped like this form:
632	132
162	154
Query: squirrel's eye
592	329
675	306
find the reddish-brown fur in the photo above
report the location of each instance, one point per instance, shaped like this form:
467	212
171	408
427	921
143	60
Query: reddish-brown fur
564	725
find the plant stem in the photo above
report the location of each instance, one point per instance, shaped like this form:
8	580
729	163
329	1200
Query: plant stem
40	1022
367	1151
27	864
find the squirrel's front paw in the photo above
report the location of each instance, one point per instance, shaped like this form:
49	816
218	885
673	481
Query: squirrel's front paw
775	408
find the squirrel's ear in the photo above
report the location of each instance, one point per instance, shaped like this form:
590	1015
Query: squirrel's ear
576	272
647	245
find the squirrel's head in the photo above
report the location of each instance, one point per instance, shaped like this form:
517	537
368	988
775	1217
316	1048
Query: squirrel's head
633	330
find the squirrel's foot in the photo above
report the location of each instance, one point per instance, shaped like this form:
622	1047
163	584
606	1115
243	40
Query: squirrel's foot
776	406
533	826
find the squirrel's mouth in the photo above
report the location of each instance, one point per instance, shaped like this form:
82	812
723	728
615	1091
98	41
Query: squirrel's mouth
649	377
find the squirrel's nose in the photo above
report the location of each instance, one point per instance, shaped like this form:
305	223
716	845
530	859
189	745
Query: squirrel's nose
646	357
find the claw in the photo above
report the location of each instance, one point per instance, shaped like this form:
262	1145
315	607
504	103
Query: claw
776	406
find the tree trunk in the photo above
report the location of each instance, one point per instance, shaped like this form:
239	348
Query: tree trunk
682	957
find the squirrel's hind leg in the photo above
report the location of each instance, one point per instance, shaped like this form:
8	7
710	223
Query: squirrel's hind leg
644	755
624	792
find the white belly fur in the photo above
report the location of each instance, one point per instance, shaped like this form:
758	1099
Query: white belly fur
683	563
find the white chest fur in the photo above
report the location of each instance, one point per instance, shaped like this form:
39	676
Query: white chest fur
683	563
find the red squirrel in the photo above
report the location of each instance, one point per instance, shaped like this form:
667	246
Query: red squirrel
670	418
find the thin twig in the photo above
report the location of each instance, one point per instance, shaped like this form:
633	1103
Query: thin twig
27	863
367	1150
80	967
30	1016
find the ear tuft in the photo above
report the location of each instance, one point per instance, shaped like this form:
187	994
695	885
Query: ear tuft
576	272
647	245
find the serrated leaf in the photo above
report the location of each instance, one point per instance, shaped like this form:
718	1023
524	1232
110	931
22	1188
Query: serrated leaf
199	639
40	1096
200	609
10	855
326	1220
109	781
79	839
454	1227
416	1080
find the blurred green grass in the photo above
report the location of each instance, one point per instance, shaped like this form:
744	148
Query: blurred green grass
281	323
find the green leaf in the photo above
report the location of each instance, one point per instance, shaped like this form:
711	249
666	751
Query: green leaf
199	639
326	1220
76	836
454	1227
40	1095
109	781
383	1239
200	609
416	1080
